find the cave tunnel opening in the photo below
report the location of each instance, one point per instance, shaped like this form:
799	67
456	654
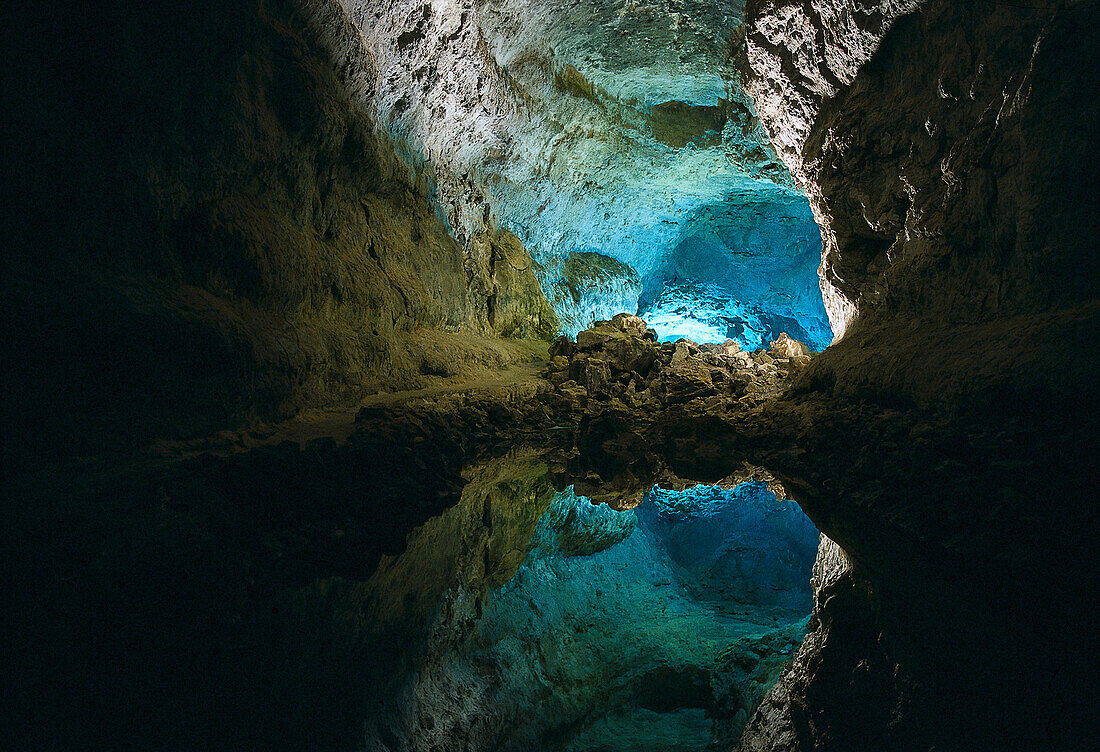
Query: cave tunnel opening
582	627
710	256
744	269
740	266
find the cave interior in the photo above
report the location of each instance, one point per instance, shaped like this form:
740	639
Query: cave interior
552	375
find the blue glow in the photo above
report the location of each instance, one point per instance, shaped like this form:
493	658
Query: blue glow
743	540
745	269
736	260
628	630
573	525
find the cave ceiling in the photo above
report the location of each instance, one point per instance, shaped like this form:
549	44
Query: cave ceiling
602	127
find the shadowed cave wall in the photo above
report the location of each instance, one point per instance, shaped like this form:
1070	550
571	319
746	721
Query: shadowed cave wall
945	148
213	230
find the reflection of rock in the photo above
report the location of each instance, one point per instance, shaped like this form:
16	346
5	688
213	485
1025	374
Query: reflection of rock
742	545
948	150
599	641
578	527
843	638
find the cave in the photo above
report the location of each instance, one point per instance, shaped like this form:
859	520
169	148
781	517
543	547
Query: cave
556	376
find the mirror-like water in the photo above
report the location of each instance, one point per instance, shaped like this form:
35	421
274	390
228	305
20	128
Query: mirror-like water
543	621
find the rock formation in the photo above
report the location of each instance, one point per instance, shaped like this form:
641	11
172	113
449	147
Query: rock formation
241	239
600	131
946	149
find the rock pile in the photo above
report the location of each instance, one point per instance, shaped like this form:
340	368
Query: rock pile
621	359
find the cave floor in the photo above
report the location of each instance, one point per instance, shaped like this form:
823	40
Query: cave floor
337	420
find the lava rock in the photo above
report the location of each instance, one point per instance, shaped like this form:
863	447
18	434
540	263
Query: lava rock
785	347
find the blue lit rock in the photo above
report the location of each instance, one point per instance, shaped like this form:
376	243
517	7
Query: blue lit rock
743	270
742	546
584	287
596	127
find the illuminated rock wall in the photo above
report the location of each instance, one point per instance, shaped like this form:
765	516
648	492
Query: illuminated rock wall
595	127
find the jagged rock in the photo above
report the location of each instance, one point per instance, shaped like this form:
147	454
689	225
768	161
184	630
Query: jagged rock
630	323
625	363
595	337
785	347
577	368
923	133
574	392
563	345
682	350
686	381
597	377
729	348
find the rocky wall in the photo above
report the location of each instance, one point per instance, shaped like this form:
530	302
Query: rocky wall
948	153
597	127
214	230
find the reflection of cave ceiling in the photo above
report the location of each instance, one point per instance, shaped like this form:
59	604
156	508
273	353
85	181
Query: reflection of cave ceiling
602	126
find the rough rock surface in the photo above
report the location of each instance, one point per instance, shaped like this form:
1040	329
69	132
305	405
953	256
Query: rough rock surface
596	127
237	238
946	443
601	639
948	150
621	360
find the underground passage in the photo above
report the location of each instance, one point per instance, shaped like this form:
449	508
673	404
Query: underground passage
552	375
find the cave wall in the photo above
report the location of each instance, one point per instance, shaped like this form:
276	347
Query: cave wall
212	228
935	148
948	151
596	127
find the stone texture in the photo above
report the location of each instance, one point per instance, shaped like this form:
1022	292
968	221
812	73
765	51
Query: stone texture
242	240
599	640
200	266
927	136
609	137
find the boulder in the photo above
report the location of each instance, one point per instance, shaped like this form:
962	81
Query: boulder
687	381
598	377
562	346
596	337
786	347
630	324
577	368
729	348
682	350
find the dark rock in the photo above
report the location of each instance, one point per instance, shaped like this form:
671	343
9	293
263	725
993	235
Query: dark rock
563	346
577	368
597	376
686	381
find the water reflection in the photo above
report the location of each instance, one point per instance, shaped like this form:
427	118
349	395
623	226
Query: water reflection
527	617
